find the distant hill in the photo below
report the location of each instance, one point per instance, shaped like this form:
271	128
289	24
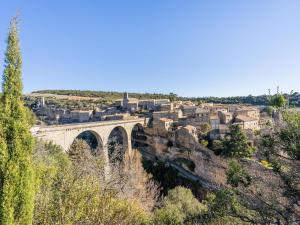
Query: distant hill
103	94
111	96
294	99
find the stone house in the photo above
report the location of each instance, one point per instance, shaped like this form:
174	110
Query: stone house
207	105
220	132
161	101
156	104
265	121
81	115
162	125
148	104
198	120
133	104
174	115
233	108
188	103
225	117
202	115
98	114
249	112
247	123
166	107
219	108
194	111
187	137
177	104
65	118
214	122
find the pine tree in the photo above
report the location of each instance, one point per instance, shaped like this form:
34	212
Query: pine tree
236	143
16	142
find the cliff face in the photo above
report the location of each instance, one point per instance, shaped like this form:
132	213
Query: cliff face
209	166
182	147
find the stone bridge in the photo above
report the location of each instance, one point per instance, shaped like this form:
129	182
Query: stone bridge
64	135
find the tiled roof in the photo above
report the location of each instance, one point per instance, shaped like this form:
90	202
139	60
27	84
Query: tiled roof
165	120
245	118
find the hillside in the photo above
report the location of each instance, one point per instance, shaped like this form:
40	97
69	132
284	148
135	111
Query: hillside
111	96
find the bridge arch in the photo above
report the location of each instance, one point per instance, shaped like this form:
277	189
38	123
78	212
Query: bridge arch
138	137
117	144
93	139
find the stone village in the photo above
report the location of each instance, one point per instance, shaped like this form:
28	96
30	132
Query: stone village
180	132
164	115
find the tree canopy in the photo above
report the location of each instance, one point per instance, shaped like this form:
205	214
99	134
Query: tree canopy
236	143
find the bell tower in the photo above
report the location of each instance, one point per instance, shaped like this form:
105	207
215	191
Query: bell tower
125	100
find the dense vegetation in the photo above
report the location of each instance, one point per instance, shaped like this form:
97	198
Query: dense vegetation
71	189
110	95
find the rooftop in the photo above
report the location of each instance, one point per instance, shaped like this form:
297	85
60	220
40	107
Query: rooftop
214	117
245	118
165	120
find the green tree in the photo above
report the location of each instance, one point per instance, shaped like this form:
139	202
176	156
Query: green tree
290	135
16	142
278	101
269	110
179	207
236	144
224	208
173	97
169	215
236	175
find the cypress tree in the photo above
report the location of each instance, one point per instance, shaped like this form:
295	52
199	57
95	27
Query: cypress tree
16	142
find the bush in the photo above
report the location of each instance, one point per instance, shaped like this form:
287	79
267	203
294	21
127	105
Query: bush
266	164
169	215
236	175
179	207
269	110
203	142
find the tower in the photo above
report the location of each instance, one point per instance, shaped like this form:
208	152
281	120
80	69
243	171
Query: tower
125	100
125	96
43	104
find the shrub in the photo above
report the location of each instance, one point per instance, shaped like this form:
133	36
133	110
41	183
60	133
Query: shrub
236	175
266	164
179	207
169	215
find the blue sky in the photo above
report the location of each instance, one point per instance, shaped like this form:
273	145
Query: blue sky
190	47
